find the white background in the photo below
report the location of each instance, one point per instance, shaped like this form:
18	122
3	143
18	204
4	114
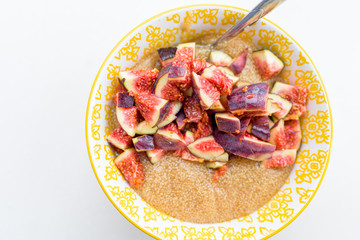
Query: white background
50	52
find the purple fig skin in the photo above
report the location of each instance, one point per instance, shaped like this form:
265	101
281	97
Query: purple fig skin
244	123
144	143
228	125
260	127
166	143
163	112
239	63
249	98
162	72
124	100
180	120
166	53
177	72
229	142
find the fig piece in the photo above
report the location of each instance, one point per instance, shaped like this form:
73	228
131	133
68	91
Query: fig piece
204	127
277	135
123	99
267	64
249	98
151	107
227	71
293	134
222	158
215	164
282	103
239	84
296	95
199	65
244	125
220	58
187	155
189	92
281	158
219	172
174	108
248	147
205	90
189	137
155	155
128	119
219	79
206	148
238	64
120	139
169	138
271	124
130	166
166	55
227	122
144	128
180	120
143	143
217	107
163	88
192	109
260	127
138	81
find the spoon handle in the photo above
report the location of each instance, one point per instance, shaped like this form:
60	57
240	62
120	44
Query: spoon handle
263	8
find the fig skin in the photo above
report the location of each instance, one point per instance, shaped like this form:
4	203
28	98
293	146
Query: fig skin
239	62
227	122
143	143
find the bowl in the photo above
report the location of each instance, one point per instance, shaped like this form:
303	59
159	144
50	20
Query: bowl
163	30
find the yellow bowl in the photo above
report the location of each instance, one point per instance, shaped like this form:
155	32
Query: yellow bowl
163	30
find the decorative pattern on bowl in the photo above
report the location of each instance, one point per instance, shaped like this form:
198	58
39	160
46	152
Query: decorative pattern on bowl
163	30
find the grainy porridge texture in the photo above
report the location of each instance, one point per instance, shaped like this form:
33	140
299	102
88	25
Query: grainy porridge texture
185	190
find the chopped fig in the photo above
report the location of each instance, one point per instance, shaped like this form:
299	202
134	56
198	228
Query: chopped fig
143	143
215	164
123	99
267	64
130	166
174	108
222	158
244	125
189	92
295	94
281	158
145	128
199	65
166	55
204	127
217	107
187	155
155	155
184	57
227	122
163	88
180	120
219	79
192	109
189	137
247	147
220	59
206	148
238	64
177	73
218	172
293	134
227	71
152	108
128	119
260	127
138	81
224	101
239	84
277	135
249	98
205	90
283	104
120	139
169	138
271	124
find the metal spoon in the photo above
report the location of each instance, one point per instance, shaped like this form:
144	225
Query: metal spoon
263	8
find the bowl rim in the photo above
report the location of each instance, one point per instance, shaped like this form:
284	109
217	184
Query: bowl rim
180	8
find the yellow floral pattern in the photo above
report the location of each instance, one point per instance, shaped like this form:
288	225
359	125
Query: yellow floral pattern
231	17
304	194
285	74
126	200
311	165
207	15
111	171
278	207
175	18
276	43
309	80
302	60
204	234
97	148
247	35
192	34
151	214
247	218
168	233
158	39
98	93
130	50
94	126
243	234
265	231
316	127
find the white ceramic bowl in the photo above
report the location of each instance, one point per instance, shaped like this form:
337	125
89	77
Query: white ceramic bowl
163	30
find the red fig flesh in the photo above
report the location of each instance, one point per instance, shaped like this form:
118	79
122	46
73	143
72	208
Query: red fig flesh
152	108
281	158
277	135
120	139
130	166
205	91
128	119
155	155
163	88
238	64
267	64
219	79
206	148
174	108
220	58
293	134
138	81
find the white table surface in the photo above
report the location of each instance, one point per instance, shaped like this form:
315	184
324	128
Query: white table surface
50	52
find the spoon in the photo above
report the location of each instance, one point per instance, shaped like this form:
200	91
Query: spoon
263	8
